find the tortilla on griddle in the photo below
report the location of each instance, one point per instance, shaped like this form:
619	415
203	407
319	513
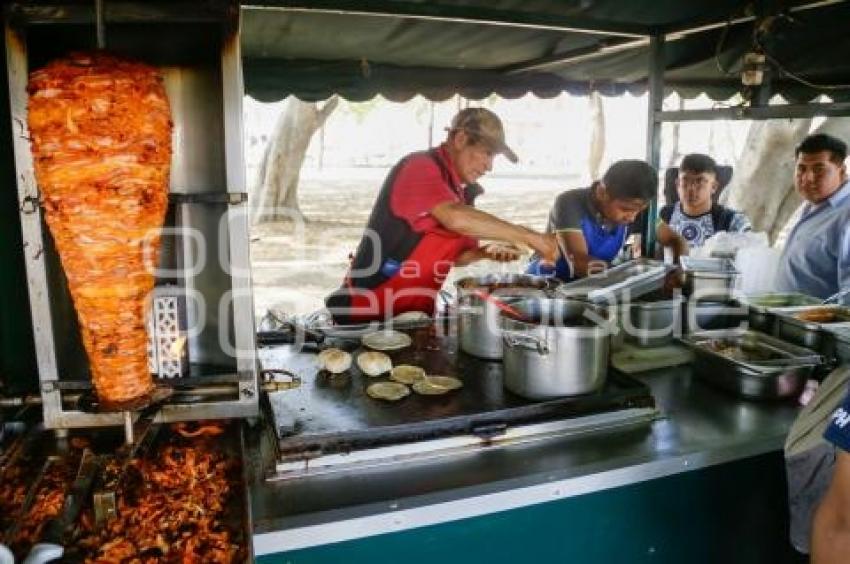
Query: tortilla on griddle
407	373
335	361
436	385
387	391
387	340
374	363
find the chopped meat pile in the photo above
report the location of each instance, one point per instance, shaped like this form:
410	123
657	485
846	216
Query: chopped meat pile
821	315
176	509
13	490
101	143
25	530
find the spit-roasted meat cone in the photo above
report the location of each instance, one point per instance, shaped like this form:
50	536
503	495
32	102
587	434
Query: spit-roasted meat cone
100	129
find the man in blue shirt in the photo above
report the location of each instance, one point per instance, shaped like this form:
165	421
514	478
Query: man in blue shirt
831	531
816	258
592	223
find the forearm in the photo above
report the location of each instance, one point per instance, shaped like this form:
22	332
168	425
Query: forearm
831	534
469	256
669	238
471	222
584	264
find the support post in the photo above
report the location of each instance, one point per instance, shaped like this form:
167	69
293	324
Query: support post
653	130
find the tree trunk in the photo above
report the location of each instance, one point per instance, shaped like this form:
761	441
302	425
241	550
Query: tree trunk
763	182
597	136
762	185
275	194
675	134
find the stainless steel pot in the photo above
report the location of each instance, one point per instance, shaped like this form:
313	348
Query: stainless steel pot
654	323
479	333
561	350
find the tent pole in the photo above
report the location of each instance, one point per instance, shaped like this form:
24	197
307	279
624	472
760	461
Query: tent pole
653	130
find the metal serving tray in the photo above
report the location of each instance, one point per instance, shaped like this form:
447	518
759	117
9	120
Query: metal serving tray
761	317
771	369
811	334
840	335
711	276
630	280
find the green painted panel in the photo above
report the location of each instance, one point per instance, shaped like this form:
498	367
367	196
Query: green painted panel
731	513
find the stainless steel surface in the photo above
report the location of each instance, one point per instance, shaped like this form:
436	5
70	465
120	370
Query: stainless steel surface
713	313
100	24
782	374
563	351
708	277
206	248
617	315
31	226
840	334
479	332
760	316
654	323
620	283
700	427
360	460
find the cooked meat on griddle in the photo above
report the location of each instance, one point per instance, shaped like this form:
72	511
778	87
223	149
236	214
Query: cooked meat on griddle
101	143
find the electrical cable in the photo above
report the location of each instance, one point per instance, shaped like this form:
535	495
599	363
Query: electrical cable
779	66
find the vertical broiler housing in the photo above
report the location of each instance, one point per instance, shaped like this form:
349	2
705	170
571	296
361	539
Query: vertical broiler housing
190	53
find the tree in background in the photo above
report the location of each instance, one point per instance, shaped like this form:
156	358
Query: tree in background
275	193
763	183
597	136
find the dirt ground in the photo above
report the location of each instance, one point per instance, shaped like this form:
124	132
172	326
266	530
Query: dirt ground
295	265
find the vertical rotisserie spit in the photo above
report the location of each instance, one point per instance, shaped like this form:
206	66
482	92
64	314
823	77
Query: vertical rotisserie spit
100	131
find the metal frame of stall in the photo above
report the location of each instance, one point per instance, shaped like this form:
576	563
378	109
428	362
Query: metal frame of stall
758	110
626	37
197	194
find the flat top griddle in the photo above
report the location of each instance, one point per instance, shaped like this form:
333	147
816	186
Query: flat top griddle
332	413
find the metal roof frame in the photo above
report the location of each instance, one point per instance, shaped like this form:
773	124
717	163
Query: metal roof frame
457	14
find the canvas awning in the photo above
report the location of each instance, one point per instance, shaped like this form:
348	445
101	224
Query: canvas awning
399	48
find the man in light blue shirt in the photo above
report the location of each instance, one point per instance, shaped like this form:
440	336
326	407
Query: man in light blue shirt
816	258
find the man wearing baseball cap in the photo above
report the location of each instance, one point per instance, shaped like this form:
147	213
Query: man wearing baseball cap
424	222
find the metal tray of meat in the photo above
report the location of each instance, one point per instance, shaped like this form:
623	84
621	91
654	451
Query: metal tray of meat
627	281
751	364
807	325
761	317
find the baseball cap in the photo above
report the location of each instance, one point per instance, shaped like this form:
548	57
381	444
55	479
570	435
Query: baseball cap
486	127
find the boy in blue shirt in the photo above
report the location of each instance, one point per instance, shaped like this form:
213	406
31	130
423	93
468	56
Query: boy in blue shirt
592	223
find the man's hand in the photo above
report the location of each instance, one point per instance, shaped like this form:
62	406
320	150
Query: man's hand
546	246
501	252
471	222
